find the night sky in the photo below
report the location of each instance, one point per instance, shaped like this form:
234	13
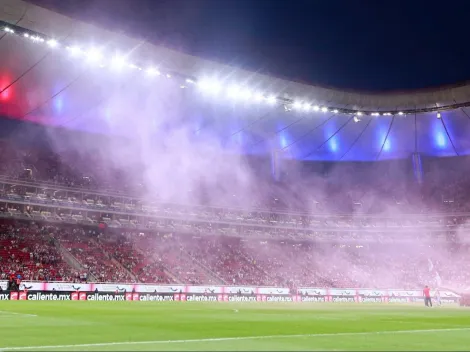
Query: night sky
372	45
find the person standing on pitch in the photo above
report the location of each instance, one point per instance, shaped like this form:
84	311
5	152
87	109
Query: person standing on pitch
437	296
427	296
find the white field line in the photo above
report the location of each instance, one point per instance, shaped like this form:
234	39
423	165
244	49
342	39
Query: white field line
7	313
221	339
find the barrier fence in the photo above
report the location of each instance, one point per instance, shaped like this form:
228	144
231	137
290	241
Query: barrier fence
207	297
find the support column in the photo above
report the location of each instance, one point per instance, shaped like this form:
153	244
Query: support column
417	167
276	160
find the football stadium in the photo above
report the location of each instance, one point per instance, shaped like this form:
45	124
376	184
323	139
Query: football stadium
153	200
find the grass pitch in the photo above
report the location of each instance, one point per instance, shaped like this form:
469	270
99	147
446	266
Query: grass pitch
152	326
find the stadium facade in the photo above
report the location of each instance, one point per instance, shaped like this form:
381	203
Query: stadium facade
62	72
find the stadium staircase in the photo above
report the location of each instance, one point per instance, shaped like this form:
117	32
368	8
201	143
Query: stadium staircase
113	259
252	262
70	259
209	273
166	271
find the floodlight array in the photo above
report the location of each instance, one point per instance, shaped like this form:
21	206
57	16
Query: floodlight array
209	86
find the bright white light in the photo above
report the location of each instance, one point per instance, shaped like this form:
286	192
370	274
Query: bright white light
324	109
259	96
210	86
359	113
387	113
94	55
316	108
335	111
246	94
233	91
438	115
306	107
118	62
189	81
153	72
297	105
26	35
52	43
133	66
400	113
356	119
375	114
9	30
75	50
271	99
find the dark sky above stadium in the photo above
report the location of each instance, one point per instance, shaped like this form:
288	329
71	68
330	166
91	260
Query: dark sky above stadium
370	45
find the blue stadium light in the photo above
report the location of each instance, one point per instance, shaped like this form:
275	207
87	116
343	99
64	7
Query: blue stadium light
441	140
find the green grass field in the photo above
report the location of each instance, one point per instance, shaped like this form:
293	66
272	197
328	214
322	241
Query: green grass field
142	326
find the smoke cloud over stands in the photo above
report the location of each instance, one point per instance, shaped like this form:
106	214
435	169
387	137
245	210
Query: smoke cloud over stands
167	145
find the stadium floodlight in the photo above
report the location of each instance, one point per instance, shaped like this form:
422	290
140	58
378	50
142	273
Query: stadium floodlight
94	55
359	113
438	115
297	105
190	81
324	109
26	35
271	99
134	67
316	108
400	113
153	71
306	106
210	86
246	94
375	114
8	30
74	50
387	113
52	43
335	111
233	91
258	96
118	62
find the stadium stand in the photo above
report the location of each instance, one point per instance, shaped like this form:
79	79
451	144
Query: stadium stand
331	236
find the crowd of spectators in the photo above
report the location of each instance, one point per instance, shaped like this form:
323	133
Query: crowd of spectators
48	253
293	232
373	188
29	250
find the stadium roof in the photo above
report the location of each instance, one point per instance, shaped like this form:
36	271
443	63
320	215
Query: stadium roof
64	72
